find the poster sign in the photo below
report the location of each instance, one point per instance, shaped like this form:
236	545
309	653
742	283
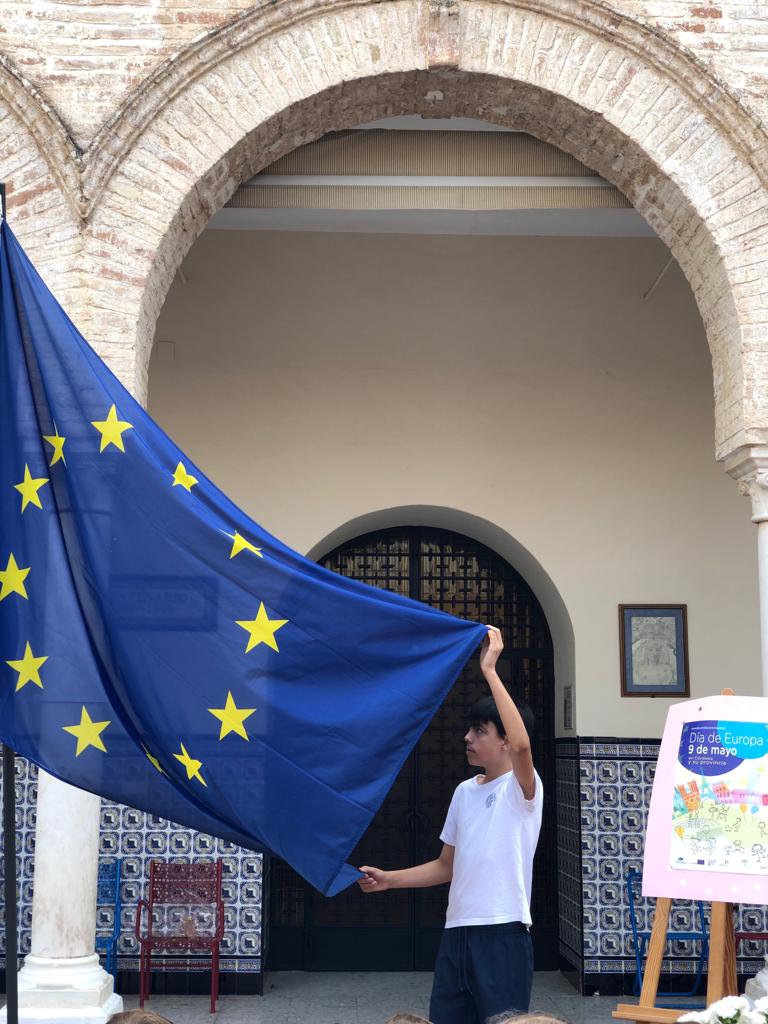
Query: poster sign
707	832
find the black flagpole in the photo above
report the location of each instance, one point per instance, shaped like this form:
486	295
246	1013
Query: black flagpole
9	853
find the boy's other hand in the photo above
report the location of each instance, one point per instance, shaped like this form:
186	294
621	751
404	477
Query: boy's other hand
375	880
490	650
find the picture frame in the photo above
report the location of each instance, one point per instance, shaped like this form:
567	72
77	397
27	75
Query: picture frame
653	641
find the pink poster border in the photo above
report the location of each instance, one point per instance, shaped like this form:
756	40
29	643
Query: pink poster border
659	879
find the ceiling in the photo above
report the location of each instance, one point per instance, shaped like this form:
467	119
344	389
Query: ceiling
431	176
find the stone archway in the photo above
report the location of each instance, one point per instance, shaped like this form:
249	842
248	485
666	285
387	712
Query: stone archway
547	595
614	94
39	167
449	570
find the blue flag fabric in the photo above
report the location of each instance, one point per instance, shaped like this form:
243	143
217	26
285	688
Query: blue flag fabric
158	648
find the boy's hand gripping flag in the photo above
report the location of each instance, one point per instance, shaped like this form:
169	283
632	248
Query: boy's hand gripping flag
159	648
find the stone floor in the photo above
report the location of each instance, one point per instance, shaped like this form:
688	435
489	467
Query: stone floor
299	998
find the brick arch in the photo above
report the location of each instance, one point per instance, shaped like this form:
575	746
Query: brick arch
39	167
618	96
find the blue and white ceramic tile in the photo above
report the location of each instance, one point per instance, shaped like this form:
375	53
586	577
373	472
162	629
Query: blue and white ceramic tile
616	778
569	828
138	838
141	837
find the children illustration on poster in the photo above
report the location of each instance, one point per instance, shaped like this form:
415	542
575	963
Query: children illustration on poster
720	798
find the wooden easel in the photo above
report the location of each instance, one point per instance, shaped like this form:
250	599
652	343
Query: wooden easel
721	973
721	976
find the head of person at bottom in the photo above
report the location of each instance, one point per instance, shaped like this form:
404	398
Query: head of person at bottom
486	740
137	1017
525	1018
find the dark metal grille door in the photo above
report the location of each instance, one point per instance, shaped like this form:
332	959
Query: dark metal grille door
400	930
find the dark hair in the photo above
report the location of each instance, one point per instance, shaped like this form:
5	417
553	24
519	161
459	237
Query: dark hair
485	710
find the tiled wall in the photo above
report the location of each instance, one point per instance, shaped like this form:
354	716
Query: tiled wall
603	792
26	807
616	777
615	791
569	855
137	838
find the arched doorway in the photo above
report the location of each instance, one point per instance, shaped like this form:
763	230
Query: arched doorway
400	931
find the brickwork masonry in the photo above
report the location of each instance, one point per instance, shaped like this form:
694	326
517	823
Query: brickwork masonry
125	126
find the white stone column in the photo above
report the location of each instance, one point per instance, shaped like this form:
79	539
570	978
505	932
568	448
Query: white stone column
61	979
749	467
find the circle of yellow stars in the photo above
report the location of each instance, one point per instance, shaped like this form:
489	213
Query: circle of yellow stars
88	732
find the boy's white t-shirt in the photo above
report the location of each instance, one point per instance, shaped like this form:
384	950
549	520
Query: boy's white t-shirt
494	830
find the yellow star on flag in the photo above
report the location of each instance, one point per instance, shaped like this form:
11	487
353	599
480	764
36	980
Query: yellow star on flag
193	767
111	430
57	443
28	668
12	580
262	629
239	543
232	717
153	761
181	478
29	487
88	733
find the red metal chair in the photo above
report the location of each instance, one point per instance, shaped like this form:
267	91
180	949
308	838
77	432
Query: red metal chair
185	914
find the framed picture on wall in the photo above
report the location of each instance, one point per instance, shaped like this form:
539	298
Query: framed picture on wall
653	639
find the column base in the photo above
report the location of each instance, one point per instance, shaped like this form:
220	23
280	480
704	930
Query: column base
74	989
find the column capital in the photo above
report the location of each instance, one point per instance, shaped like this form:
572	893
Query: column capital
749	468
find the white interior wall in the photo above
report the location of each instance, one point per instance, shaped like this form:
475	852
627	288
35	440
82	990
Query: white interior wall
523	383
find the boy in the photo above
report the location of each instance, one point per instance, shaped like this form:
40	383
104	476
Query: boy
485	961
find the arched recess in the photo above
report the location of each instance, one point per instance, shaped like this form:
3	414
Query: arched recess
450	570
493	537
616	95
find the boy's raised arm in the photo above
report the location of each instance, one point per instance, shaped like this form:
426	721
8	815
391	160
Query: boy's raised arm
517	734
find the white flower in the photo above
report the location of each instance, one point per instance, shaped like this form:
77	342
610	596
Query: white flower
752	1017
696	1017
730	1010
761	1005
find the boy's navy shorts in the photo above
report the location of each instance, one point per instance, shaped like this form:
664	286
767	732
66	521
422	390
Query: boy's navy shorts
482	970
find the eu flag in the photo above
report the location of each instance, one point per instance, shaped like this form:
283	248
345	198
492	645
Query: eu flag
158	648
